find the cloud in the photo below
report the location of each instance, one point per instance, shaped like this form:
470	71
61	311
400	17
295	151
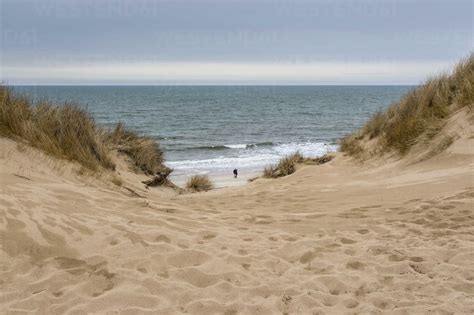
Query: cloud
193	72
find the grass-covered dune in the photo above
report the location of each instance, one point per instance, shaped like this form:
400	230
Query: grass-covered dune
288	164
417	117
68	132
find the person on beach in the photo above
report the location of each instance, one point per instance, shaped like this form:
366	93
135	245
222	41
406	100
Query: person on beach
235	173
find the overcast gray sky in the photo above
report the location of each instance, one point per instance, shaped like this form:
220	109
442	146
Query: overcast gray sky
227	42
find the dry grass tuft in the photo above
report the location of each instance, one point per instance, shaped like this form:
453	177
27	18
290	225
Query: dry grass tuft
418	115
319	160
351	145
286	166
199	183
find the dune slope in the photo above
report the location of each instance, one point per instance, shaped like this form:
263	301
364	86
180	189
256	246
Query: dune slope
389	235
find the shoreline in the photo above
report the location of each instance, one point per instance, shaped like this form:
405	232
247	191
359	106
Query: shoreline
223	176
219	179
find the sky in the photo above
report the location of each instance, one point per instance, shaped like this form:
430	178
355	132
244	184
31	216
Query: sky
231	42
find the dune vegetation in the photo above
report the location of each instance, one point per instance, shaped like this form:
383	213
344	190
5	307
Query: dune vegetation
418	116
288	164
69	132
197	183
145	152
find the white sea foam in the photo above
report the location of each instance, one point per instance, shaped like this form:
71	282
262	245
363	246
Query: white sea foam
236	146
249	159
308	149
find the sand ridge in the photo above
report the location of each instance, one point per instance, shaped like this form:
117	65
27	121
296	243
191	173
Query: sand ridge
330	239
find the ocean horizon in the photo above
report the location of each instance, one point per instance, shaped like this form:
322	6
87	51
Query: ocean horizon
212	129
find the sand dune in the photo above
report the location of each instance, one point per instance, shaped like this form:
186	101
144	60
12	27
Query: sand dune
344	237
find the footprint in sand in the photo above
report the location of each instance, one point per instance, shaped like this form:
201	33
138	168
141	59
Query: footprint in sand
381	303
208	236
198	278
445	207
420	221
333	285
314	216
67	263
99	279
350	303
355	265
371	207
396	257
246	266
376	250
164	274
307	257
417	268
263	222
162	238
387	280
329	301
347	241
350	252
187	258
412	200
243	252
352	215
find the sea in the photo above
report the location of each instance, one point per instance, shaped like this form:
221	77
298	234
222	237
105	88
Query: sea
213	130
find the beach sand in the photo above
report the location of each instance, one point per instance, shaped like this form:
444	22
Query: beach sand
344	237
220	179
